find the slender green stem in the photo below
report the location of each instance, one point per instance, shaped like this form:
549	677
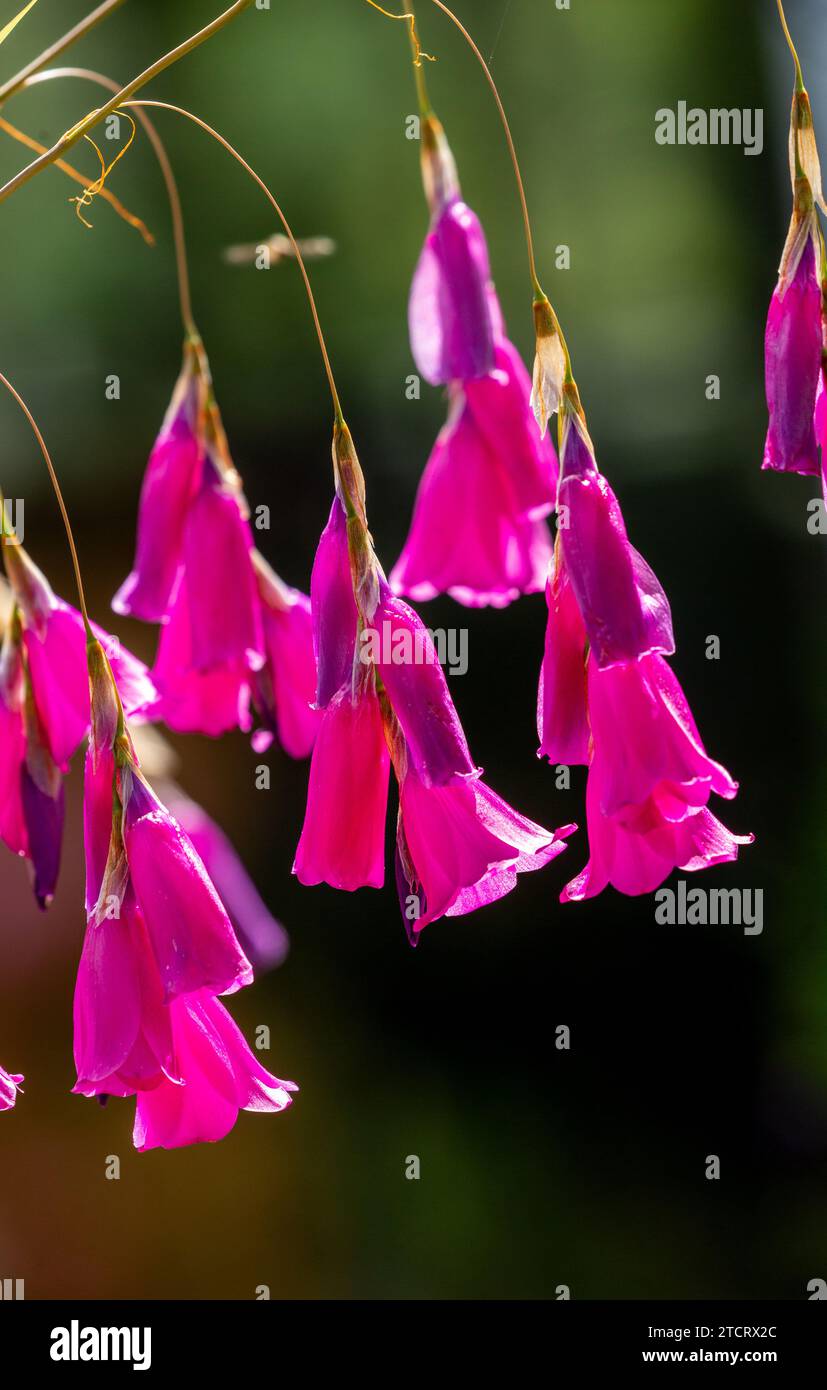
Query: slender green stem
179	238
532	265
48	55
248	168
60	502
84	126
799	79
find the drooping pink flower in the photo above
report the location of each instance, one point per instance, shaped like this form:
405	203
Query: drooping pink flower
9	1086
122	1027
460	847
393	704
623	606
192	938
158	946
649	783
264	940
562	705
638	861
793	346
54	638
191	701
333	606
224	610
172	478
219	1076
343	837
45	714
284	689
449	317
470	535
477	529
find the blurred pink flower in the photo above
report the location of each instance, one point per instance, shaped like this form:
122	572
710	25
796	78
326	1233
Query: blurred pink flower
9	1086
263	940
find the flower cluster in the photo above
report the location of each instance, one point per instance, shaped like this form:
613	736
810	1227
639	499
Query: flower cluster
459	846
609	699
159	950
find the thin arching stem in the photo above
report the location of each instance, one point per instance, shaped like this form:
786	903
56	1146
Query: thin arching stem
115	203
799	78
184	291
181	111
82	128
60	502
84	26
532	265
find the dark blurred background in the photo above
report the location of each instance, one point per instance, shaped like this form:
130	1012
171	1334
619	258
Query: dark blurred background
538	1167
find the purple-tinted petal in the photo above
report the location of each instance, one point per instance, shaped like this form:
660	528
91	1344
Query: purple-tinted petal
449	316
792	362
334	610
43	812
403	651
169	485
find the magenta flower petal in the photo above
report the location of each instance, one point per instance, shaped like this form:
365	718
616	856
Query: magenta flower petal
122	1032
403	651
285	688
263	939
792	362
219	1077
500	404
343	837
448	311
192	938
56	653
562	713
43	811
821	430
466	846
335	616
221	587
636	863
169	485
207	702
652	761
467	536
9	1086
12	751
624	608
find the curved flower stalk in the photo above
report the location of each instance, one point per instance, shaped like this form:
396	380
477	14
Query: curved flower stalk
44	712
159	947
386	702
9	1086
796	338
477	531
232	632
